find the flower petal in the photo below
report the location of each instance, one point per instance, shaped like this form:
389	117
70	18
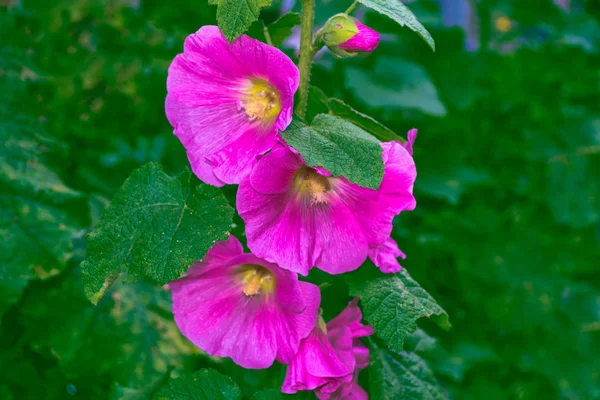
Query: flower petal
205	86
385	256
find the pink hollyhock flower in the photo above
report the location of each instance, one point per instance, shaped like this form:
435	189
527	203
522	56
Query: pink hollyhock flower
237	305
227	102
329	359
301	217
366	40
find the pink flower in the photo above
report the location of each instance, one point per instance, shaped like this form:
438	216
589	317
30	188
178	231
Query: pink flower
237	305
366	40
330	358
300	217
227	102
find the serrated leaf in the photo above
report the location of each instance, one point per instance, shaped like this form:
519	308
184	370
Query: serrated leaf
236	16
369	124
282	28
205	384
393	303
338	146
402	15
155	228
401	375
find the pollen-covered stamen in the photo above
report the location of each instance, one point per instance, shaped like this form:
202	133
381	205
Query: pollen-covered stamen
260	101
312	186
255	279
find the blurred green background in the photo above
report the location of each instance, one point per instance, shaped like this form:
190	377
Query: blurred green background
506	234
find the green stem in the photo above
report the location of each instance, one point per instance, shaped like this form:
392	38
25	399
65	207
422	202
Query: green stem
352	7
267	36
306	54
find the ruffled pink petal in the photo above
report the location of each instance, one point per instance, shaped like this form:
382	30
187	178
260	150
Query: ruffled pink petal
212	311
205	85
275	172
351	318
283	229
296	237
318	363
375	209
302	322
412	136
365	40
385	256
224	251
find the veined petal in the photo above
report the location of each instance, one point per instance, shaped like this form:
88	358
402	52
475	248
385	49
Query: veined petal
227	101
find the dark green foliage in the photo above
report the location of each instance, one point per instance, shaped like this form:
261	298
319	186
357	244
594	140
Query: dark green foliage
505	235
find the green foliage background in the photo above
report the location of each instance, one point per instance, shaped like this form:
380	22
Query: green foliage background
506	234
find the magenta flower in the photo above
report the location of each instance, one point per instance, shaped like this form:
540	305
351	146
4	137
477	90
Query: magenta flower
329	359
227	102
300	217
366	40
237	305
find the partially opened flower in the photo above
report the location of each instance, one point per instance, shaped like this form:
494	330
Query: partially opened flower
330	358
301	217
346	36
227	101
237	305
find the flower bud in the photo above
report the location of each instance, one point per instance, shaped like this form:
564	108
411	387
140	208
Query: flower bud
346	36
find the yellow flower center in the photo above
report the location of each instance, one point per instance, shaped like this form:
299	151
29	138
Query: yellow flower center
311	185
255	279
261	101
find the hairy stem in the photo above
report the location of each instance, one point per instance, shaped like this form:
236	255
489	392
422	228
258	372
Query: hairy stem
306	54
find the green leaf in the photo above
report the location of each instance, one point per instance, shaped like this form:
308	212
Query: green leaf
396	83
377	129
36	235
338	146
205	384
36	240
401	375
155	228
236	16
402	15
129	338
392	304
282	28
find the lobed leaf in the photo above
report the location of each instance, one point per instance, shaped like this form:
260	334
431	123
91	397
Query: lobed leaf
205	384
402	15
155	227
392	304
338	146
